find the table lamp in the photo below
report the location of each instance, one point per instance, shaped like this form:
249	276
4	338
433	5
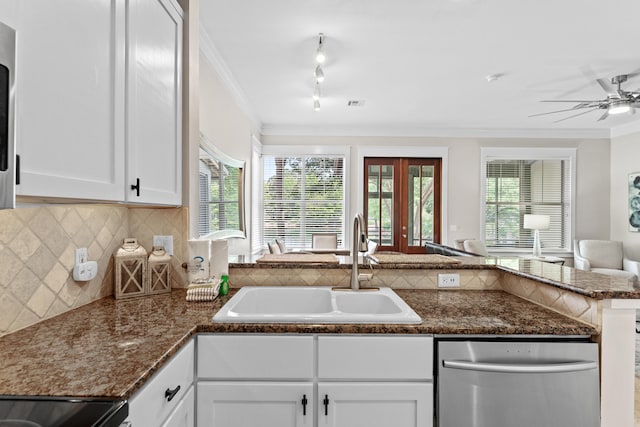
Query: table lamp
536	223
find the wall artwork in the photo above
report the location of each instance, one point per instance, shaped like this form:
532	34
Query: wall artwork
634	201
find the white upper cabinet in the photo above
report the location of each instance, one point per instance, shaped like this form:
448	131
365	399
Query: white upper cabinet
66	125
98	100
154	102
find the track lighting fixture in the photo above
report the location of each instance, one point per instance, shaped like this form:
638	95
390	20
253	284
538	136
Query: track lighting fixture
319	74
320	56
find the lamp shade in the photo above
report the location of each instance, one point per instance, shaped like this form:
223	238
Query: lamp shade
536	222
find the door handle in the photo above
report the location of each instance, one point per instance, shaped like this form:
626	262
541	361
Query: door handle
304	404
136	187
325	402
521	368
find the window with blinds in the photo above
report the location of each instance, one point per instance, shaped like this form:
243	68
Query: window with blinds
302	195
514	188
220	197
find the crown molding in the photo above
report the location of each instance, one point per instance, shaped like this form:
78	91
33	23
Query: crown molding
425	131
209	50
626	129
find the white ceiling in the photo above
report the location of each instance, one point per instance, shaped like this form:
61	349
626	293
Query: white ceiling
421	65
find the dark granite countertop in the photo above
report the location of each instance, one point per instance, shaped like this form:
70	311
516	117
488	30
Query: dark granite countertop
109	348
593	285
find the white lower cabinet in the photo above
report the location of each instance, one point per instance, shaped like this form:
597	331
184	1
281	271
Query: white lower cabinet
375	404
167	398
314	380
184	414
249	404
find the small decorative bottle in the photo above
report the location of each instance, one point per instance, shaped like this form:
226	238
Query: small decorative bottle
224	284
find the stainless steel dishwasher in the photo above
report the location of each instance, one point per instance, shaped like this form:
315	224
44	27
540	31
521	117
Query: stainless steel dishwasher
523	384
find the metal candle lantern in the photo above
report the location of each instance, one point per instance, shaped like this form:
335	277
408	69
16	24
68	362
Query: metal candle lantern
131	270
159	271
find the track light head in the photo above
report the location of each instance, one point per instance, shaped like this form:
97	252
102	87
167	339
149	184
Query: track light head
320	55
319	74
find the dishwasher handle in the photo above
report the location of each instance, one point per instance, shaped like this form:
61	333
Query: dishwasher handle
521	368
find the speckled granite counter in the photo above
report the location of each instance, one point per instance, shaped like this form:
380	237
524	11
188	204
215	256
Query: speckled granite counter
593	285
110	348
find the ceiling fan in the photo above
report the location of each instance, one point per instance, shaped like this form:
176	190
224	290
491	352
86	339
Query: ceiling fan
618	100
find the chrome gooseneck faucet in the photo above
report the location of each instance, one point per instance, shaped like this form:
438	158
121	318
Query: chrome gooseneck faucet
359	245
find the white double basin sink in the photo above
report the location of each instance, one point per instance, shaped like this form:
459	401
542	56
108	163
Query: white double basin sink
301	304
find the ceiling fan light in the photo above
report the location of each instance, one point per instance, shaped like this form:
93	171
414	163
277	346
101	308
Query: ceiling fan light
319	74
316	93
316	105
620	107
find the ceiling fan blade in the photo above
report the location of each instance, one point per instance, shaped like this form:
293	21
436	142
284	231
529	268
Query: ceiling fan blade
611	90
576	115
604	116
604	83
582	101
560	111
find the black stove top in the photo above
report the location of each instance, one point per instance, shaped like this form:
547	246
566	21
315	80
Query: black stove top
29	411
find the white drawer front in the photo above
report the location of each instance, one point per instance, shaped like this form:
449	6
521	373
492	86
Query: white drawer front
375	357
149	406
255	357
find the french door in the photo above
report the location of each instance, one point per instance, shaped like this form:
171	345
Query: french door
402	202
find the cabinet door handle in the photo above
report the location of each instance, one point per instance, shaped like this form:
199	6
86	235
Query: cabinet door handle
136	187
326	404
304	404
170	394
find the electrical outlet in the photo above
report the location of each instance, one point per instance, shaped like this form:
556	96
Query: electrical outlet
164	241
449	280
82	255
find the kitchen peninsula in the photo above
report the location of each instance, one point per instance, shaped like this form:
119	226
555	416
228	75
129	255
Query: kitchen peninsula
111	348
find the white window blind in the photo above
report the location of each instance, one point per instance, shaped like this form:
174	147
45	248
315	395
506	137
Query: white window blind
219	195
302	195
515	187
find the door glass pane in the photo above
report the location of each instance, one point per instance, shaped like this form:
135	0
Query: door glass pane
420	221
373	202
380	204
386	206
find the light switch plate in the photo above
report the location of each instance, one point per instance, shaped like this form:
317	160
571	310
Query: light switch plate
164	241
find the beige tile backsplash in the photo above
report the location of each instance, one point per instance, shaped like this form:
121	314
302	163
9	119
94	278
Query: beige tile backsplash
37	254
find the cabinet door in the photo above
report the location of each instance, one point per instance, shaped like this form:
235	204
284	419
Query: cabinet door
251	404
375	404
153	102
164	391
183	415
66	107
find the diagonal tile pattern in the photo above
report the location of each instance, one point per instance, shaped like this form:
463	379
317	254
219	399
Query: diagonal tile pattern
37	254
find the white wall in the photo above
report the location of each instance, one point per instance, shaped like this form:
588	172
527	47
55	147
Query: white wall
625	159
224	123
463	174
